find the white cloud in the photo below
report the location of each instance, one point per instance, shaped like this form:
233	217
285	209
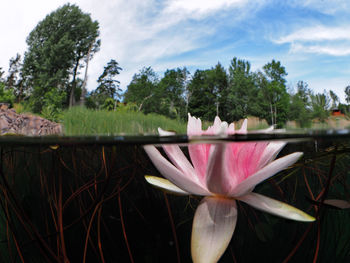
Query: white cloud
319	49
317	33
319	39
324	6
200	8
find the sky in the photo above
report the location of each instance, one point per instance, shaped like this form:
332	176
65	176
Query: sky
311	38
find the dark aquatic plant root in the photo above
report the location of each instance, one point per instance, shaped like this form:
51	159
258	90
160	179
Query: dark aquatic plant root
92	204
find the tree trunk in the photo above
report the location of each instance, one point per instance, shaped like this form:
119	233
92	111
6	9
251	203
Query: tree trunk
140	107
217	108
83	86
71	96
271	114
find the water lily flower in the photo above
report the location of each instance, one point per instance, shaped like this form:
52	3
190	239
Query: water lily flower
222	173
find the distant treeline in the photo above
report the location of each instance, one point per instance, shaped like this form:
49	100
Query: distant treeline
231	94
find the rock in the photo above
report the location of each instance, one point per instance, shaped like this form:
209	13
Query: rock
26	124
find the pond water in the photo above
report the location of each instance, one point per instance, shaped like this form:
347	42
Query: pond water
85	199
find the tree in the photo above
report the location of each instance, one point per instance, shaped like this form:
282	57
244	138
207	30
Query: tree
108	87
142	90
56	47
1	74
299	109
334	99
14	79
218	80
273	94
170	92
320	106
14	69
241	93
202	102
347	94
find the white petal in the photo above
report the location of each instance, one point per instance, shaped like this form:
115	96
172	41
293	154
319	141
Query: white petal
231	129
165	133
194	126
269	129
243	129
173	174
266	172
164	184
213	226
275	207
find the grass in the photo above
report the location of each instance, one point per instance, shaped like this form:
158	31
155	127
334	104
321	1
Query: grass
82	121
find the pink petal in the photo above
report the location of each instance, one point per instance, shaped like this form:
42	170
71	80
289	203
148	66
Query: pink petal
244	158
213	226
178	158
199	154
275	207
266	172
218	178
173	174
270	153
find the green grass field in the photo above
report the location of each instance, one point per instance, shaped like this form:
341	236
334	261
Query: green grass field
82	121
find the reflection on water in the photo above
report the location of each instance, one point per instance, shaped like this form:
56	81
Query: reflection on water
85	199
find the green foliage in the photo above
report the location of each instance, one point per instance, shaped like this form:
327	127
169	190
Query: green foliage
320	106
344	108
202	101
55	48
6	95
273	96
51	113
109	104
300	106
82	121
52	101
241	99
128	107
170	93
209	93
142	90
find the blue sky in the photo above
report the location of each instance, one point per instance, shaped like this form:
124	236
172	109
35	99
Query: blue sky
311	38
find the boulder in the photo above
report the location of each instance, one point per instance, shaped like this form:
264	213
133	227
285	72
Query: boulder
26	124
